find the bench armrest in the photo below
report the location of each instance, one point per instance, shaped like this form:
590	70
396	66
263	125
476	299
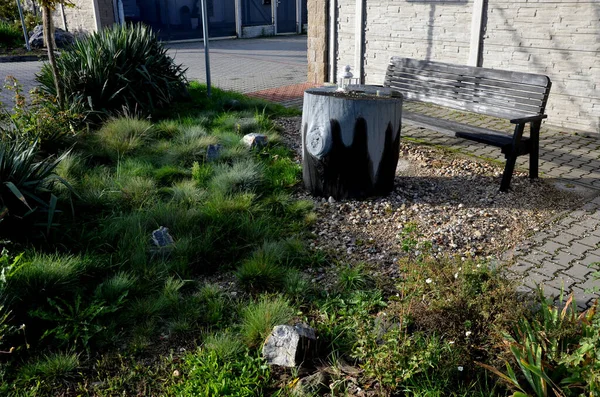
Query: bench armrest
528	119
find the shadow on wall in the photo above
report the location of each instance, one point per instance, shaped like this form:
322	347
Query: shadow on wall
541	65
431	20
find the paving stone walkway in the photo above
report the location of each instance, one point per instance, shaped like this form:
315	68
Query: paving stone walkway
243	65
563	257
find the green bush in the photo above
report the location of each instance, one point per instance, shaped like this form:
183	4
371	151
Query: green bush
259	318
118	67
36	118
10	36
121	136
209	374
26	182
556	350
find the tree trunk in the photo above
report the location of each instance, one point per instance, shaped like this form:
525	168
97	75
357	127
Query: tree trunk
350	142
48	28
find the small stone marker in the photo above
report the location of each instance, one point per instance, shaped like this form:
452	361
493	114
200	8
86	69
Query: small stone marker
213	152
255	140
161	237
288	346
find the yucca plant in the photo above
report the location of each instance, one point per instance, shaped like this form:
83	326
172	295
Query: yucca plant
116	68
25	181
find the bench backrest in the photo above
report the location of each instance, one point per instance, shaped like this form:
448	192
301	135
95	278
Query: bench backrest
497	93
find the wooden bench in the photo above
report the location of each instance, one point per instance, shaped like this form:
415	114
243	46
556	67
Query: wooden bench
518	97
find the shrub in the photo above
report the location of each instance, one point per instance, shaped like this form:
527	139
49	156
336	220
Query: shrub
118	67
556	351
259	318
10	36
26	181
35	118
209	374
352	278
243	175
51	368
187	193
261	272
121	136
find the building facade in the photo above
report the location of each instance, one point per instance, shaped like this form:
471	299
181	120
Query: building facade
557	38
182	19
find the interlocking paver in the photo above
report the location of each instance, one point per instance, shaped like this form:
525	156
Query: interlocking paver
551	247
591	240
589	259
580	271
577	249
564	238
565	257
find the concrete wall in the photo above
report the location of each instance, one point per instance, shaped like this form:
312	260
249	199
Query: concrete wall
80	18
257	31
559	38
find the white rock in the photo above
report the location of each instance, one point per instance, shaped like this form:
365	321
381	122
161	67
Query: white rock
255	140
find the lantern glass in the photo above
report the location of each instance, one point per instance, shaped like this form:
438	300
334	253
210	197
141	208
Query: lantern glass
345	79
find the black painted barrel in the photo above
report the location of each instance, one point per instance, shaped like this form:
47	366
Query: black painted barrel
350	141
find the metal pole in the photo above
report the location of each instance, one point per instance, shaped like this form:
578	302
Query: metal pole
23	25
206	53
64	18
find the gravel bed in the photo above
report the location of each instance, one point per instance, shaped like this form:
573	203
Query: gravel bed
452	200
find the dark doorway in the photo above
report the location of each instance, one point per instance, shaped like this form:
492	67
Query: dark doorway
286	16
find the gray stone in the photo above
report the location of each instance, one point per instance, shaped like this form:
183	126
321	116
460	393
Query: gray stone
289	346
61	38
255	140
213	152
161	237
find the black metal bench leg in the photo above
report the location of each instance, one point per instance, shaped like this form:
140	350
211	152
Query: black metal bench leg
511	159
534	154
508	172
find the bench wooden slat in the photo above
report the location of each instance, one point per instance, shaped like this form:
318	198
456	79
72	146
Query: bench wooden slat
453	92
470	88
464	105
492	74
530	91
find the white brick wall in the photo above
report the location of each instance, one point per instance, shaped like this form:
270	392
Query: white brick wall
559	38
80	18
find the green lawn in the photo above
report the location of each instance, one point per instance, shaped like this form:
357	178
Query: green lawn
93	307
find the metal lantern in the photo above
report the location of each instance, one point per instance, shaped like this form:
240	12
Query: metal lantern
346	78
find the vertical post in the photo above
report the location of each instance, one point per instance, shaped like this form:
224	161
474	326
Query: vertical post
274	14
238	18
97	16
64	18
298	16
475	43
332	40
358	39
23	25
206	52
121	12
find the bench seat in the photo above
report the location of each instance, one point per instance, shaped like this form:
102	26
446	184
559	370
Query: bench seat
466	131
